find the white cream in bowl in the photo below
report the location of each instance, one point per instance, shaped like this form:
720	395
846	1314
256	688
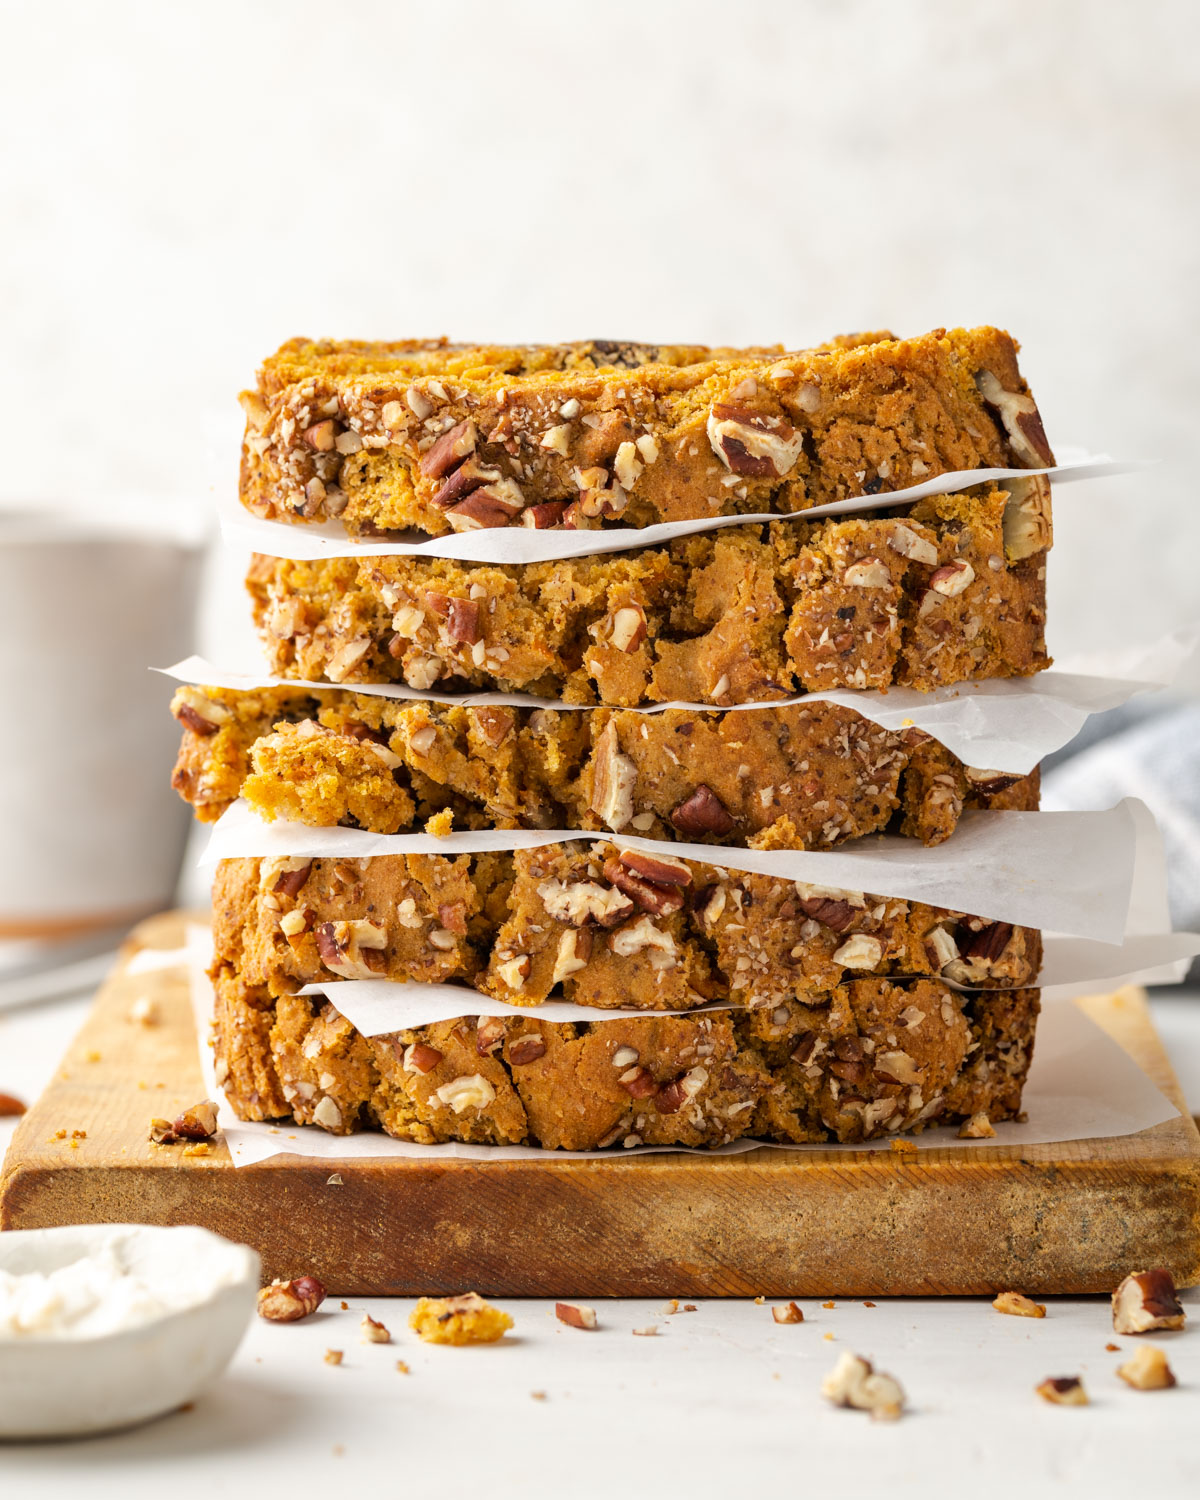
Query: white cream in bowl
105	1325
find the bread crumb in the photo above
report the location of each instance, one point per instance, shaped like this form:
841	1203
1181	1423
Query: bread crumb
467	1319
333	1356
1018	1305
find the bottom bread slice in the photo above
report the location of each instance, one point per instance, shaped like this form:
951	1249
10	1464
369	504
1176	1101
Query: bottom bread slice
870	1058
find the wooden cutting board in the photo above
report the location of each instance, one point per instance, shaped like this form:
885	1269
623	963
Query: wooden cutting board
1070	1218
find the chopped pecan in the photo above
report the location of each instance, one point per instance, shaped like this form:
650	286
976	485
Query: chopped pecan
492	505
352	949
291	881
461	482
526	1049
989	783
806	1045
462	624
489	1034
859	951
909	543
542	517
471	1091
674	1095
1146	1301
829	911
289	1301
638	936
952	579
420	1058
1018	1305
702	812
628	629
449	450
1020	418
371	1331
657	869
661	900
986	943
753	444
853	1381
614	777
453	916
639	1082
584	901
575	1314
574	951
1147	1370
200	713
868	573
1063	1390
1027	523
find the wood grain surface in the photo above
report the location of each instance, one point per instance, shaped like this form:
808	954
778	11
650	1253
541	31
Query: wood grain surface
1069	1218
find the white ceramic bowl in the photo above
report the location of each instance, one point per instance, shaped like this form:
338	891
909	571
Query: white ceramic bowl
72	1385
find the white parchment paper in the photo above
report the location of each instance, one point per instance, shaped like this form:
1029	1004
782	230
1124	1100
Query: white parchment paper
1082	1086
519	544
379	1007
1070	872
1003	724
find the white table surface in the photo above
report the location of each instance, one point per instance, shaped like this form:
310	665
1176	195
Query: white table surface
722	1402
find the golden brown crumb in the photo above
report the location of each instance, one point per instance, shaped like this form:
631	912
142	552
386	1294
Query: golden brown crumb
1113	1348
901	1146
1147	1369
467	1319
333	1356
345	1306
868	1304
538	1395
1063	1390
1018	1305
788	1313
402	1367
977	1128
372	1331
828	1304
854	1381
441	825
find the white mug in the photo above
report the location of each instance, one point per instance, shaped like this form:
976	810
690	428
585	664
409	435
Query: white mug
91	834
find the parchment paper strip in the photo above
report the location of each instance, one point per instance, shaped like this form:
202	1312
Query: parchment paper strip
1070	872
1004	724
519	544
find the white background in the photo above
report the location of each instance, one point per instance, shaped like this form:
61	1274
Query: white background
184	186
